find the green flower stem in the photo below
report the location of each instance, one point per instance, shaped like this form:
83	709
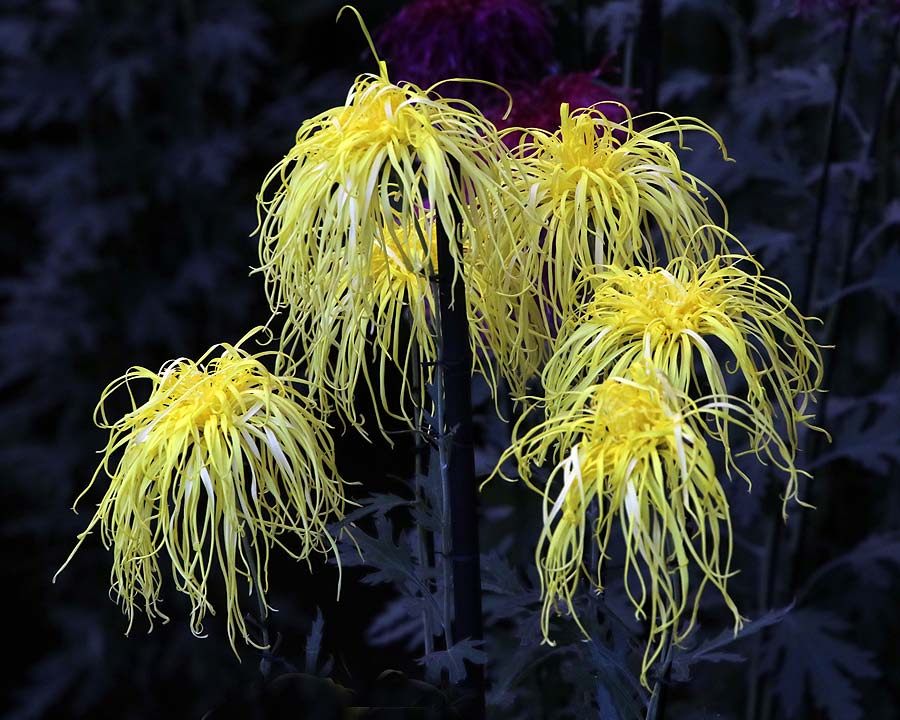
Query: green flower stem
455	360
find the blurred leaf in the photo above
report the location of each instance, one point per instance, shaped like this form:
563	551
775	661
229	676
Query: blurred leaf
682	86
881	280
713	650
452	661
807	656
867	436
616	18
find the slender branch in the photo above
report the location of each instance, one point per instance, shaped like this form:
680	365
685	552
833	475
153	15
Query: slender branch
756	690
812	258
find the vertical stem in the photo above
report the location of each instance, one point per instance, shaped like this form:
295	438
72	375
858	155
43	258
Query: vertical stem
759	699
649	52
581	12
418	470
812	259
265	663
456	366
845	267
442	455
628	61
656	710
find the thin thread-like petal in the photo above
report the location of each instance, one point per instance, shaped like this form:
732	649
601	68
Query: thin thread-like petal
637	449
221	452
343	225
597	192
673	316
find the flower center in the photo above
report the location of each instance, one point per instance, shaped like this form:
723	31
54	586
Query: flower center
582	149
653	302
625	413
402	258
378	117
195	395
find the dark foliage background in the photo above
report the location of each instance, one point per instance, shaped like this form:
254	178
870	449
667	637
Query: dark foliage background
134	139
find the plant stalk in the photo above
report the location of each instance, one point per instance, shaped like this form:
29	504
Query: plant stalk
845	272
421	500
456	370
656	710
759	700
815	246
649	52
265	662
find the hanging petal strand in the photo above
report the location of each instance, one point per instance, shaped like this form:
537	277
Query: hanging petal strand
692	320
638	450
223	457
345	222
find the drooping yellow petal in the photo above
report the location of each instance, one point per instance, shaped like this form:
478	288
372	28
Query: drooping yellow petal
360	192
639	451
597	190
692	320
221	458
400	324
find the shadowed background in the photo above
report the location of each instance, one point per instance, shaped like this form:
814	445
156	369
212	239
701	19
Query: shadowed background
135	137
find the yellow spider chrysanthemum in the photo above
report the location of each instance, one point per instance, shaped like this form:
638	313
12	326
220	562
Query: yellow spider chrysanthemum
675	316
221	459
400	320
597	191
638	449
359	180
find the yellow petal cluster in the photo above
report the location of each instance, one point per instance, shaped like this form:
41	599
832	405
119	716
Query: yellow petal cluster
400	323
598	190
347	221
220	462
692	320
638	448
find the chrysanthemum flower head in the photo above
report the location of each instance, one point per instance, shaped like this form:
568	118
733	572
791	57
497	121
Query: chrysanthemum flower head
222	460
599	189
679	317
637	449
391	312
359	186
502	41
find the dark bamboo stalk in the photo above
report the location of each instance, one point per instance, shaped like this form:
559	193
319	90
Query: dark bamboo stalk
649	52
845	272
815	246
456	367
759	699
421	499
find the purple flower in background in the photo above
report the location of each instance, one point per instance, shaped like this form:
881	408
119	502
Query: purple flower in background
504	41
538	106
